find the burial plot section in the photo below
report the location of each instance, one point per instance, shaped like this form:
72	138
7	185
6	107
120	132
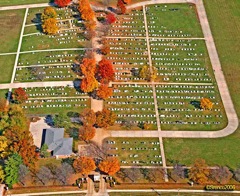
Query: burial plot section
134	151
134	106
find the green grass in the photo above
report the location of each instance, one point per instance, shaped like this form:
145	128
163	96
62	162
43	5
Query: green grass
3	93
126	152
11	24
6	66
224	20
21	2
168	21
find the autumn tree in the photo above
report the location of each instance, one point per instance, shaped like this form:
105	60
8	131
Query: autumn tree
148	74
90	25
49	26
105	70
2	174
127	1
19	95
222	174
62	3
121	6
199	172
3	105
48	12
85	9
88	84
22	143
89	34
11	169
105	118
84	165
105	49
49	21
104	91
111	18
87	132
206	104
13	117
88	117
3	147
110	166
88	66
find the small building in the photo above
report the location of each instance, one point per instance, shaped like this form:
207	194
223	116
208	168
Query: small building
59	146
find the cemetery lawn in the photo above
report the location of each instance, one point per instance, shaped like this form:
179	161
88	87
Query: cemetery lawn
224	20
126	152
11	24
6	66
21	2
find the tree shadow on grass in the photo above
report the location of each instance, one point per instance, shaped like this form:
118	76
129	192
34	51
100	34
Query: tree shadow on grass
196	104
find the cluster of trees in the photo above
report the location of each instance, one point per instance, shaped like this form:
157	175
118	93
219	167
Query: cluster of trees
16	143
49	21
103	72
206	104
85	165
90	120
121	6
201	173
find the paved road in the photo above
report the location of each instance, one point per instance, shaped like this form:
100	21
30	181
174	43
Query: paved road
36	84
16	7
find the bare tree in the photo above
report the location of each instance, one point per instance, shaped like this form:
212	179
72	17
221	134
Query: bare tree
22	174
63	172
237	174
148	174
178	172
222	175
44	175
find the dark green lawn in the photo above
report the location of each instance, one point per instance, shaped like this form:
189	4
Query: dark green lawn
21	2
224	19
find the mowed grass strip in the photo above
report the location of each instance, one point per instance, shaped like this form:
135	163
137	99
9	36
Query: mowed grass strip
11	24
6	67
21	2
224	19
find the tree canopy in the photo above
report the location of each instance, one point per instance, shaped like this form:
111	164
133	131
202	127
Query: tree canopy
110	166
105	118
84	165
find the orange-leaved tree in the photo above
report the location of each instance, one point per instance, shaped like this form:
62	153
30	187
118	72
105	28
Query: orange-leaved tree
105	118
206	104
88	117
88	66
110	165
90	25
62	3
105	49
199	172
105	70
50	26
19	95
88	84
85	9
49	12
104	91
84	165
87	132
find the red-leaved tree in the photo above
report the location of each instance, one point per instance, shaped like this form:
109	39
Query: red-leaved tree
105	70
111	18
62	3
19	95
